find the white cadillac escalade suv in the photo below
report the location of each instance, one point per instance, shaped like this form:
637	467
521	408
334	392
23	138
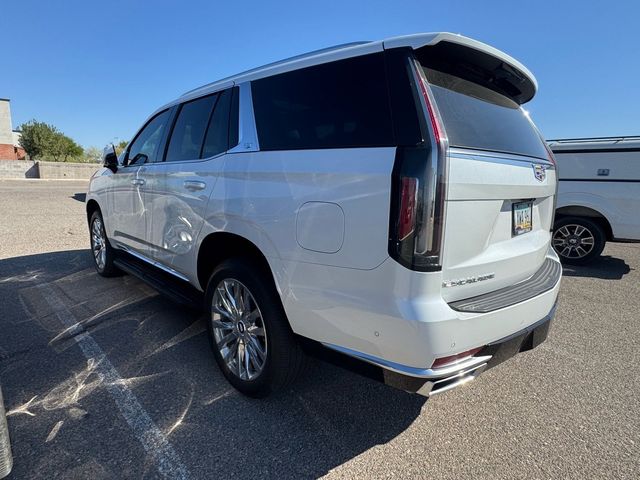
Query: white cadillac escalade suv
390	200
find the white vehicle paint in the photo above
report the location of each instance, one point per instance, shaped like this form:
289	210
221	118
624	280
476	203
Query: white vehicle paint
599	182
390	238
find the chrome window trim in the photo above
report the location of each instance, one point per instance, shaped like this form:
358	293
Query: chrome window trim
186	162
499	157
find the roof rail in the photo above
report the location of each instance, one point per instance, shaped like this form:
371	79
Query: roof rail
596	139
279	62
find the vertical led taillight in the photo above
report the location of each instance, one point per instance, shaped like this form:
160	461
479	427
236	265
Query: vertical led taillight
429	242
420	185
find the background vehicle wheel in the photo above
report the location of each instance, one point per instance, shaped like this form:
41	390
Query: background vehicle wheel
103	254
578	240
249	331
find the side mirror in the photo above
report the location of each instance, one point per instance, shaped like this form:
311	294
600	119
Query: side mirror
109	158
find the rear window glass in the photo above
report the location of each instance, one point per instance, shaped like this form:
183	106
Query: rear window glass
334	105
479	118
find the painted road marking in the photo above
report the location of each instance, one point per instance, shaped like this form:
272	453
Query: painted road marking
150	436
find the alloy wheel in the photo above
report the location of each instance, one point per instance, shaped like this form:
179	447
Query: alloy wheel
98	243
573	241
238	329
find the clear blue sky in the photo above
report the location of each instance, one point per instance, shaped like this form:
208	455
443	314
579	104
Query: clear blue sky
97	69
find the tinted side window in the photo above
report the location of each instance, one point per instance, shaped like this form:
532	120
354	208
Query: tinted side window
190	128
335	105
216	140
146	145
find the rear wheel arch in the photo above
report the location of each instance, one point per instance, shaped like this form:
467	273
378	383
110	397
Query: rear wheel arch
220	246
582	211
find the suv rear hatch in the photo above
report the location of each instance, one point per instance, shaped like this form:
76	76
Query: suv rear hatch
496	173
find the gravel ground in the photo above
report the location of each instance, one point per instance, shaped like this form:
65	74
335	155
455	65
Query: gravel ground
138	378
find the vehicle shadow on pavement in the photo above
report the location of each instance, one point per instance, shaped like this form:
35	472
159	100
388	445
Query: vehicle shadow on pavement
161	352
81	197
604	267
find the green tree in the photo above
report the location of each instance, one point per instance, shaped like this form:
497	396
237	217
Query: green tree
69	150
37	138
44	141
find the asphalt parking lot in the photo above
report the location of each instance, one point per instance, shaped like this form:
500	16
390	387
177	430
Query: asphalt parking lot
104	378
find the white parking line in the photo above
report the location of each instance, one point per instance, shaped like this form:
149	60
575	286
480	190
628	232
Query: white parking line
150	436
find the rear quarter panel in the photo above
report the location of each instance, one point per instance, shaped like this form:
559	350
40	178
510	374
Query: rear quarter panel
260	196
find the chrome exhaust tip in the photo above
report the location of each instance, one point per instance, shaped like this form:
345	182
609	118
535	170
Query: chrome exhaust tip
441	385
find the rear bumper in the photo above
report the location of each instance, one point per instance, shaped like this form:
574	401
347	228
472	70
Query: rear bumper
540	282
438	380
401	322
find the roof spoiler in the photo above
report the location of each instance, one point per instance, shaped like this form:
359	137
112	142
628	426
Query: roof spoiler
472	60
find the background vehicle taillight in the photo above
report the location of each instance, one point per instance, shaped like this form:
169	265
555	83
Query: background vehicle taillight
419	184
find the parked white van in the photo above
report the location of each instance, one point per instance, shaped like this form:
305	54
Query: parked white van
598	197
387	200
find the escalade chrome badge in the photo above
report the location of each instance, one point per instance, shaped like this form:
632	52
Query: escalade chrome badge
539	172
465	281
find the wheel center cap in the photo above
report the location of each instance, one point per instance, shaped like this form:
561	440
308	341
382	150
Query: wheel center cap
241	327
573	241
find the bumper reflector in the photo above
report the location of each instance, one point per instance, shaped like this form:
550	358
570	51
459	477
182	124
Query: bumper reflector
442	361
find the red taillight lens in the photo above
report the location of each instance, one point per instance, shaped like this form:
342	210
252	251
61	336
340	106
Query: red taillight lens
442	361
438	131
408	201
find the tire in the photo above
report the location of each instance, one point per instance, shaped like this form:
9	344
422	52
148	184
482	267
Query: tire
578	240
238	335
103	253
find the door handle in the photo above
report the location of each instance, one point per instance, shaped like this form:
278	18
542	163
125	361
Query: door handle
194	185
138	182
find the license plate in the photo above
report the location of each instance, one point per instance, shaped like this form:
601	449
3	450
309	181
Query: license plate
522	218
